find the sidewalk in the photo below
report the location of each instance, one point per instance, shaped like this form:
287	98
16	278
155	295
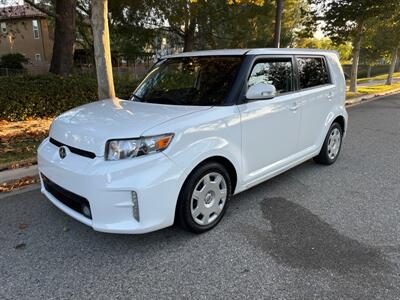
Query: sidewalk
14	174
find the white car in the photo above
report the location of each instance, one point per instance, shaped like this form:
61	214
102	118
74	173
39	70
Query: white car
201	127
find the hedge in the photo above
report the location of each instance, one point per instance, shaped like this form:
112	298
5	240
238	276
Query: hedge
363	70
23	97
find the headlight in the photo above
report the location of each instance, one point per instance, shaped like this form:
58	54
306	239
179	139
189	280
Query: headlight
128	148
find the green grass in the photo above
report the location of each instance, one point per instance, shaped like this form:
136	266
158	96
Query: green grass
350	95
373	89
376	89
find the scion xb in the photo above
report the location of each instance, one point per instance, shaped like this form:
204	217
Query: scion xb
200	127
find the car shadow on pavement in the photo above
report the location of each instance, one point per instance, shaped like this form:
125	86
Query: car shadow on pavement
300	239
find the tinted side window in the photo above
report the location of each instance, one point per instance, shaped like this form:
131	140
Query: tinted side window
312	71
278	72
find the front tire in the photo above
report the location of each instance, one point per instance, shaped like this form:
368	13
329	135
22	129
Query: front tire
204	198
331	148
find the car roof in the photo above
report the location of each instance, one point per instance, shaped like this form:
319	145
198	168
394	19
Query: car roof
256	51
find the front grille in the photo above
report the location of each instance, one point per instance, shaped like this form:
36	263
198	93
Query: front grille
73	149
73	201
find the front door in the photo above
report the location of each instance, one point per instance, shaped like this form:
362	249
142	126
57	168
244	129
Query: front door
270	128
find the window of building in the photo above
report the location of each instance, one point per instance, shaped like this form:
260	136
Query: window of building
38	57
278	72
312	71
3	27
35	25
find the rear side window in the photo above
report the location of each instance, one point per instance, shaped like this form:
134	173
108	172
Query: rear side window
312	71
278	72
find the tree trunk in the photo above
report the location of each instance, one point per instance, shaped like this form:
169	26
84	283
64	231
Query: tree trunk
356	57
188	40
278	23
64	37
369	70
395	51
102	50
202	34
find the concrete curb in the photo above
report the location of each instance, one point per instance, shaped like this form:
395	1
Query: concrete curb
15	174
358	100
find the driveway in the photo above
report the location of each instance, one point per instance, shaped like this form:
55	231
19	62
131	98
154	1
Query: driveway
312	232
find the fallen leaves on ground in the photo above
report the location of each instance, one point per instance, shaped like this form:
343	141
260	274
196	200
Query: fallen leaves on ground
19	141
30	127
22	226
15	184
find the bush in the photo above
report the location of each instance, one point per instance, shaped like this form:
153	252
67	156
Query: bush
13	61
363	70
49	95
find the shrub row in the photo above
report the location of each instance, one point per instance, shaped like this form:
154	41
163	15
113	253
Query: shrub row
363	70
49	95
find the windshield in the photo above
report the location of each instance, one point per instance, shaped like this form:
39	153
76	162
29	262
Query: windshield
203	81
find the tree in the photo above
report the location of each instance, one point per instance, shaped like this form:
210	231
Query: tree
345	20
278	23
64	37
344	49
64	33
374	47
134	30
182	16
391	27
102	50
382	40
138	26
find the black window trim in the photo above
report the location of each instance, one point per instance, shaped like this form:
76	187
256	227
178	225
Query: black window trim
330	82
250	65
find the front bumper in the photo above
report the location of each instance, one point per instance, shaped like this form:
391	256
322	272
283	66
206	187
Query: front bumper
108	187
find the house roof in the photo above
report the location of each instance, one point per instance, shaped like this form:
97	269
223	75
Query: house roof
20	12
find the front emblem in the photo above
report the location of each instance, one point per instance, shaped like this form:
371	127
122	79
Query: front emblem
62	152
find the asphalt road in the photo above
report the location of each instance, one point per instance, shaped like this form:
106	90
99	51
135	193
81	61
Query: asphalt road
313	232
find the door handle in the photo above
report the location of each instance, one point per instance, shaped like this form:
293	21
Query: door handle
294	106
330	96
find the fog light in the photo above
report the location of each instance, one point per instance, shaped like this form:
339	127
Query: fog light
135	206
86	211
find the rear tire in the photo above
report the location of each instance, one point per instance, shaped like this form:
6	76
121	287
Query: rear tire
204	198
331	148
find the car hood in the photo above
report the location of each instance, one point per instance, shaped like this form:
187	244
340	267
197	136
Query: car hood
90	126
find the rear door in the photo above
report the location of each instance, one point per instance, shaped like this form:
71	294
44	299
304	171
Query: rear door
270	127
316	91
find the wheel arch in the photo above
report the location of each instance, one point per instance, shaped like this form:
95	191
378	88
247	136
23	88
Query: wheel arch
230	168
341	121
225	162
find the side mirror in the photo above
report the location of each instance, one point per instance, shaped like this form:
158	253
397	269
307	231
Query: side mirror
261	91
